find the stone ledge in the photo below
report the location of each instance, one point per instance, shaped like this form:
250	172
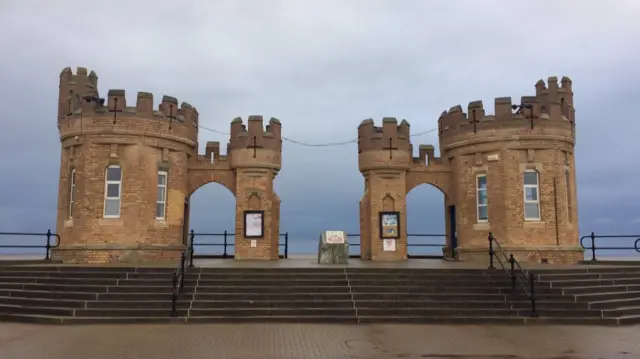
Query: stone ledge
482	226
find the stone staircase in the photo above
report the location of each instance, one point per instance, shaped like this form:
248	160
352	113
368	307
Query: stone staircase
68	294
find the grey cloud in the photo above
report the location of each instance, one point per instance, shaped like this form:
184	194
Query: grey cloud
322	67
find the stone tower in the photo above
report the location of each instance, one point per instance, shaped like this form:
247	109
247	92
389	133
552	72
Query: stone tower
127	173
511	173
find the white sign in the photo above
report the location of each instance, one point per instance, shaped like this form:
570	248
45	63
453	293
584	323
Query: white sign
254	243
334	237
254	224
389	245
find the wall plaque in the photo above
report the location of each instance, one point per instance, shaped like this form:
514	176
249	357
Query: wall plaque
253	224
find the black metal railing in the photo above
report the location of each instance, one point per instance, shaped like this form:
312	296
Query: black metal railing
440	244
593	248
515	272
178	281
48	245
199	240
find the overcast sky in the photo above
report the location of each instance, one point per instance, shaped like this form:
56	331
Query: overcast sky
322	67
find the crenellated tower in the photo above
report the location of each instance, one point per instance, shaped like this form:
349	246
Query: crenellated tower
255	155
384	157
522	159
511	173
127	173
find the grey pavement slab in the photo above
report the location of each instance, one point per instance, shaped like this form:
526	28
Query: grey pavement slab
284	341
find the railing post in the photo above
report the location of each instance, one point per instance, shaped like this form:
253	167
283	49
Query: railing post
183	261
512	261
48	247
191	238
532	284
593	246
286	245
491	253
174	298
224	244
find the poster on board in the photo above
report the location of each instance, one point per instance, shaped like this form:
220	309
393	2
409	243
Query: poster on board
253	224
389	225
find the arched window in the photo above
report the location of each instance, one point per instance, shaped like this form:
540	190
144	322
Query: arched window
112	192
531	195
567	190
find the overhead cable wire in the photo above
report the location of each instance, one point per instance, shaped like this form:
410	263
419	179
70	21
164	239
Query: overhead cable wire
328	144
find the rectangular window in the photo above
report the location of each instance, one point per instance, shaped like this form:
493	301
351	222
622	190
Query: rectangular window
531	196
481	195
72	192
161	201
567	189
112	192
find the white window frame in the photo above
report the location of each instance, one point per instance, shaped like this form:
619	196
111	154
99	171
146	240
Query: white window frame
524	195
106	186
72	192
478	204
164	203
567	189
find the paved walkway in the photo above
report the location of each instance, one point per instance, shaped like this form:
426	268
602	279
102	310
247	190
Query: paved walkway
283	341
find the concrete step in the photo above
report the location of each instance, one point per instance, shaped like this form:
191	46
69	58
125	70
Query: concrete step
39	302
270	282
323	296
473	312
591	282
601	289
140	295
273	289
272	311
47	294
610	295
54	287
621	311
165	303
72	275
41	310
49	280
129	312
242	304
615	303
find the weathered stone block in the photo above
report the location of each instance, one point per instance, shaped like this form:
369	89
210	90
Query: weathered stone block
333	248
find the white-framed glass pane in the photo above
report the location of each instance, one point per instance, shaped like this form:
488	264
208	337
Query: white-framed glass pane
159	210
73	178
482	197
113	190
531	211
73	194
531	193
162	178
483	213
482	182
112	207
531	178
114	174
161	194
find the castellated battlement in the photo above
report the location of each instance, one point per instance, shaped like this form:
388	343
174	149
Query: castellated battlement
255	135
83	111
382	138
551	108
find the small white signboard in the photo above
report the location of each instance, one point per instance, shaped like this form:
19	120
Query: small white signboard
254	243
389	245
334	237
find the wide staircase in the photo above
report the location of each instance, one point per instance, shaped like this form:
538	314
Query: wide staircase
68	294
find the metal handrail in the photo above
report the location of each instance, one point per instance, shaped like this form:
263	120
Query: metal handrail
515	268
178	282
225	244
47	246
593	248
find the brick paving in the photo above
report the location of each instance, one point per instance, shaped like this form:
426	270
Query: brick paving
283	341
